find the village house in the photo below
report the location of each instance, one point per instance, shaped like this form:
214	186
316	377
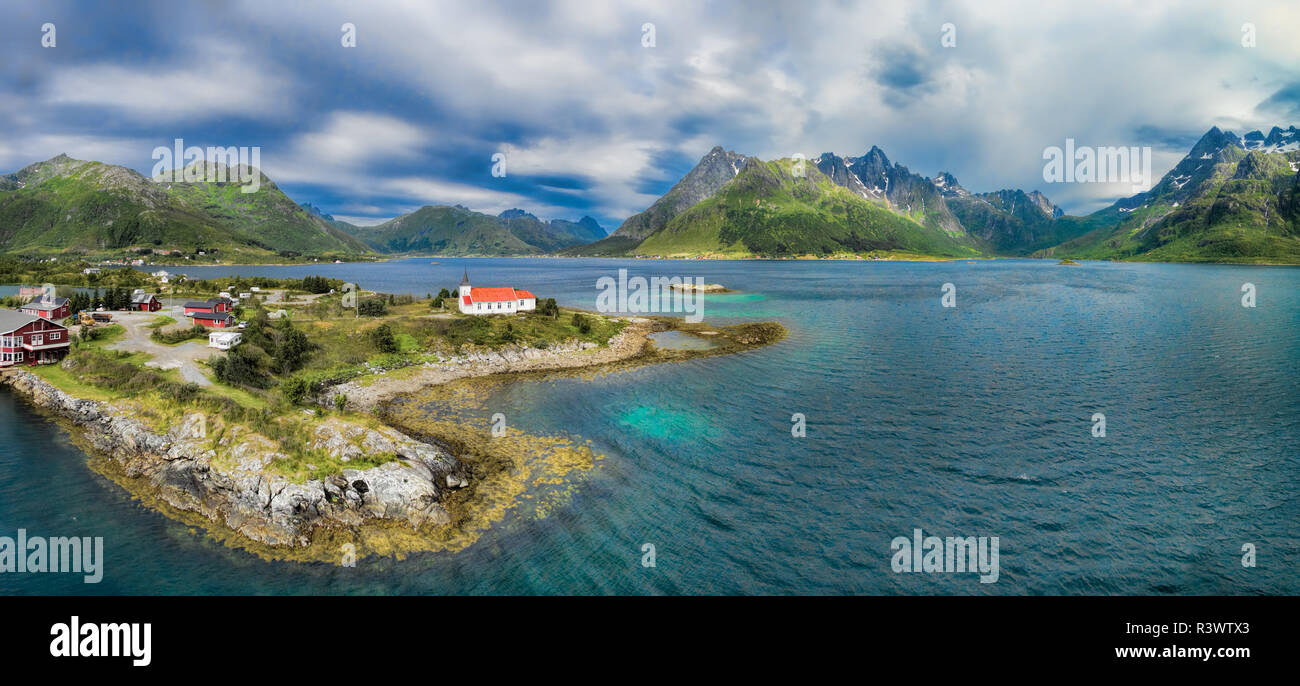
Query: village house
198	306
213	306
48	308
494	300
30	339
216	320
145	302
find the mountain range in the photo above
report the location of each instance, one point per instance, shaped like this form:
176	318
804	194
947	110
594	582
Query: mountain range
1230	199
454	230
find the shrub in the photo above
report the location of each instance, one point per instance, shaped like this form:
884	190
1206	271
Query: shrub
372	307
294	388
180	335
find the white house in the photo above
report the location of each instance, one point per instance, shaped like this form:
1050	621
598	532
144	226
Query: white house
494	300
224	340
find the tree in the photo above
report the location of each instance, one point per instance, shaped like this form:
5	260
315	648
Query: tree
291	347
373	307
245	365
383	339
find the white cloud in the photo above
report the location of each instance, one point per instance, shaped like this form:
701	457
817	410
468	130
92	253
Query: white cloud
354	138
222	81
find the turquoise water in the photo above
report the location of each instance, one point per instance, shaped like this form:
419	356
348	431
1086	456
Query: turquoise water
676	340
969	421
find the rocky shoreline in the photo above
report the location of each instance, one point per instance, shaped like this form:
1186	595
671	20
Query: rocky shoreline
184	473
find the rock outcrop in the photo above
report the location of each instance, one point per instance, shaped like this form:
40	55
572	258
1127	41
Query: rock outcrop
226	479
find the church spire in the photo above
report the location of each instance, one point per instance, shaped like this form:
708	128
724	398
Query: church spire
465	279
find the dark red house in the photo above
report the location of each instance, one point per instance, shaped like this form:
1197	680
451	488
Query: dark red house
209	306
216	320
194	307
48	308
145	302
30	339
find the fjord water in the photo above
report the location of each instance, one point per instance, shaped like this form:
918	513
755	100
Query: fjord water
965	421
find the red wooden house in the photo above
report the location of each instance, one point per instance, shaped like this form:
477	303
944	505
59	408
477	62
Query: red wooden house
216	320
48	308
30	339
194	307
145	302
214	305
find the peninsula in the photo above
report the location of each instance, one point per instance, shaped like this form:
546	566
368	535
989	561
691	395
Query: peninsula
279	434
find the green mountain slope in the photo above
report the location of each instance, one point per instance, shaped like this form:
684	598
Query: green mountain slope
768	210
1013	222
69	206
1229	200
456	230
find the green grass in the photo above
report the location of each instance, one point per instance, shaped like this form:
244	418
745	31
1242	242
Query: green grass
160	321
70	384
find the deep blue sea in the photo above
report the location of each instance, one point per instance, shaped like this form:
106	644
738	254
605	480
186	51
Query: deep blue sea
974	420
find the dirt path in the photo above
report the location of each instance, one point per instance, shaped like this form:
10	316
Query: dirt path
183	356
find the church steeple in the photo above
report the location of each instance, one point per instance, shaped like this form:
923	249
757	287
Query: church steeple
464	289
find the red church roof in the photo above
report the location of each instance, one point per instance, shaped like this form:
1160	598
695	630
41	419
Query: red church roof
524	294
492	295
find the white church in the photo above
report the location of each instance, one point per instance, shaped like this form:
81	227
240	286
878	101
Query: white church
494	299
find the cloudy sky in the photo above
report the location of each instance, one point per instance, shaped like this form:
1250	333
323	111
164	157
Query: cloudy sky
594	122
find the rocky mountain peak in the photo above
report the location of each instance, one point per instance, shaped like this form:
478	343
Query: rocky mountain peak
948	186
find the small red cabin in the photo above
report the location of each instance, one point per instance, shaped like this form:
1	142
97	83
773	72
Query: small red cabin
216	320
30	339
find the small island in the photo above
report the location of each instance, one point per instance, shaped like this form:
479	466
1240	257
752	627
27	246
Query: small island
702	288
1067	261
293	418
